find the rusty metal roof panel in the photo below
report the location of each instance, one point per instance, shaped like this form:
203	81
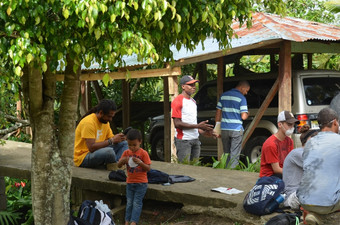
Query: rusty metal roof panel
287	28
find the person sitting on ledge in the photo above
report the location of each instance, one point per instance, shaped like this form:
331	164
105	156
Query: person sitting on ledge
95	145
319	189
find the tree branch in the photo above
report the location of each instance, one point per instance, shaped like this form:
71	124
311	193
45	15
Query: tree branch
14	128
15	119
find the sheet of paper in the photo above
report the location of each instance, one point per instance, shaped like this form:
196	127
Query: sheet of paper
226	190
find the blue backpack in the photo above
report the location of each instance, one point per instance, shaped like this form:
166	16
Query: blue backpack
262	195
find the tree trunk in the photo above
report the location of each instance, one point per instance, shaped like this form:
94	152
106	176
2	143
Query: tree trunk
51	158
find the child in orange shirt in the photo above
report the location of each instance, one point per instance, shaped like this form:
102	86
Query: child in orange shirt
137	162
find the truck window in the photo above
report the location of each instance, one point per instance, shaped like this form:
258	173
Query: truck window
320	91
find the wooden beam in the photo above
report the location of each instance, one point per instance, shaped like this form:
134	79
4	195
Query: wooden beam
221	53
167	121
174	71
271	94
315	47
220	78
285	75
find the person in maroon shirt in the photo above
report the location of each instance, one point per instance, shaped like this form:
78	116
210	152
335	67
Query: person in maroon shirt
277	146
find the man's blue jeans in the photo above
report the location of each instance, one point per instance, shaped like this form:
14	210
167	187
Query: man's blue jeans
103	156
134	201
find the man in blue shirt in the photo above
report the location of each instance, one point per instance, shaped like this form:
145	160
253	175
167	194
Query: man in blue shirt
319	190
231	110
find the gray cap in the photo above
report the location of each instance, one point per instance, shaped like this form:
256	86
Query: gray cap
188	80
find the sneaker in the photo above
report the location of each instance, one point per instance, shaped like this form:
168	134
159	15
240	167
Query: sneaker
312	219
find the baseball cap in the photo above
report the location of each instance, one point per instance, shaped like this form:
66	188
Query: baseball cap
286	116
188	80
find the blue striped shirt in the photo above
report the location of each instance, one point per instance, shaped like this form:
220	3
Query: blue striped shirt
232	103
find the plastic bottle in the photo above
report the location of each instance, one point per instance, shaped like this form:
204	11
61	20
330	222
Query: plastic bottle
274	204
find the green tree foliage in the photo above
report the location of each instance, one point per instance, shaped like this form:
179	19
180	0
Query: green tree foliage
333	6
45	31
38	38
310	10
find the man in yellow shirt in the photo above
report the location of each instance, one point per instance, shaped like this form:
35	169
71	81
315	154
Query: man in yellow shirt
95	145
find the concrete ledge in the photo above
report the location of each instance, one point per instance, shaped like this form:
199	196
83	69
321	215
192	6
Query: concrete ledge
15	161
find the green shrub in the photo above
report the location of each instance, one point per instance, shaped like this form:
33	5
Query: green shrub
19	202
247	166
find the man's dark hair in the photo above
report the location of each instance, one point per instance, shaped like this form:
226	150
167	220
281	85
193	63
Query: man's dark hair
134	134
105	105
326	116
243	83
306	133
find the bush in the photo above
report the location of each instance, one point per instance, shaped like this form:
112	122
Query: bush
19	203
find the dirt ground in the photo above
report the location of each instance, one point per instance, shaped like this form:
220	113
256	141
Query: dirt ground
157	213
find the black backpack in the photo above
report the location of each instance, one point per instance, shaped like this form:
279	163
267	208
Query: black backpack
284	219
88	214
117	175
262	195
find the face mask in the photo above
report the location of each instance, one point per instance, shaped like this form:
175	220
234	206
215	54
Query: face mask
289	131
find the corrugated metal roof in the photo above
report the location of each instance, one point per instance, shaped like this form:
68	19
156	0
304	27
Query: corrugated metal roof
287	28
265	27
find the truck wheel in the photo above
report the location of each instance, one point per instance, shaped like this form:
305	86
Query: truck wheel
254	147
157	147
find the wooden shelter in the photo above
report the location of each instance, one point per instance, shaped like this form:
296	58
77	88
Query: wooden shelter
270	34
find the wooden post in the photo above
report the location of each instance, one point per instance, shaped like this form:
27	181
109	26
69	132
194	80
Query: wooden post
83	104
260	112
97	90
273	66
167	120
220	78
126	103
202	73
285	77
173	92
88	95
310	60
3	198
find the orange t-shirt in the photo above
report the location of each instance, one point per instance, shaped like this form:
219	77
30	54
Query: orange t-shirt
89	128
137	174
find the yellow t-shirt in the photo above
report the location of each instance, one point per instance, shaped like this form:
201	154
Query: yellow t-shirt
89	128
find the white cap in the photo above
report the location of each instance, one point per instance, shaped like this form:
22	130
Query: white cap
286	116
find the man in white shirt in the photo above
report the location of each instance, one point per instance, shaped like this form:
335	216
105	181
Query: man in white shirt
184	115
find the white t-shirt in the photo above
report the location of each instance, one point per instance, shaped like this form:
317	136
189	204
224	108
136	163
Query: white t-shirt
186	110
